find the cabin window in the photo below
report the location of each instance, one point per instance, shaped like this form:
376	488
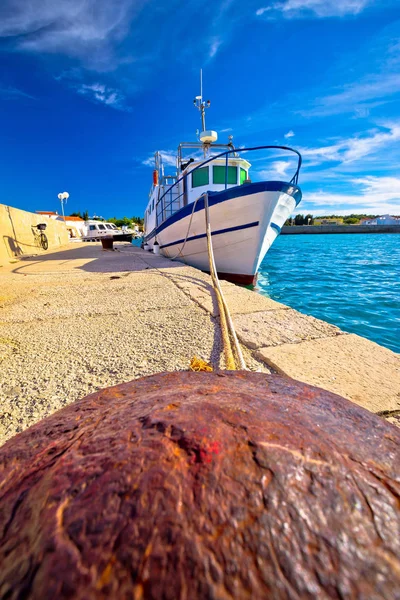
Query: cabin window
243	175
219	175
101	227
108	226
200	177
92	227
153	206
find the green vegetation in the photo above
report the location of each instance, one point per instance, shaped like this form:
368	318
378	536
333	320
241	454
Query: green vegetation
129	222
300	220
83	216
353	215
353	219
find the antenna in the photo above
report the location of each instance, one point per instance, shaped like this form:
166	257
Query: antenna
200	104
206	137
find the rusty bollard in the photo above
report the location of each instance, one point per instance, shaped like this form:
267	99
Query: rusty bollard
107	242
202	485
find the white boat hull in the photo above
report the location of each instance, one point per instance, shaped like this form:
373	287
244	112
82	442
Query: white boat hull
243	226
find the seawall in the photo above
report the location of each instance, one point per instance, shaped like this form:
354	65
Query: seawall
80	319
308	229
17	234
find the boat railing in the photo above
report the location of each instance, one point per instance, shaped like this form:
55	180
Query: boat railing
171	201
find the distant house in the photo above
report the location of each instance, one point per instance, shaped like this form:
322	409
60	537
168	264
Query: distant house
47	213
75	225
383	220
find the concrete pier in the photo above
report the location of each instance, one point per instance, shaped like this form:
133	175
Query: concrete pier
81	319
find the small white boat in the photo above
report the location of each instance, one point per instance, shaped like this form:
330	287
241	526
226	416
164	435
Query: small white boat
96	230
245	216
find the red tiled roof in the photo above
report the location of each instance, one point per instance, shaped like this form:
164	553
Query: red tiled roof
74	219
45	212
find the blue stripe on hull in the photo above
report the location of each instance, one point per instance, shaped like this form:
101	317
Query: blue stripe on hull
229	194
276	227
203	235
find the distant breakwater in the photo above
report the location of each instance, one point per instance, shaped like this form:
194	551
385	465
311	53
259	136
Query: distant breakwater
296	229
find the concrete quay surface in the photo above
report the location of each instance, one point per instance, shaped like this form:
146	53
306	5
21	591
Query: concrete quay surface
82	319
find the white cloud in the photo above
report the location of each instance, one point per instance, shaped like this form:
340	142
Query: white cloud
289	134
276	170
295	9
214	46
12	93
354	148
373	80
98	92
168	157
84	29
103	35
262	10
364	95
384	187
373	195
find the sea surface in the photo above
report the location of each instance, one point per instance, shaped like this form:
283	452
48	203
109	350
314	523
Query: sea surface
349	280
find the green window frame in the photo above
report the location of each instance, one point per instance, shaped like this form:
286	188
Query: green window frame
219	174
200	177
243	176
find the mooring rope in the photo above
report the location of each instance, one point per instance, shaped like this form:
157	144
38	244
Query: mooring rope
230	340
187	234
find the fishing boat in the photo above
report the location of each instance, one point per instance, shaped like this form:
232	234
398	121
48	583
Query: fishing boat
245	216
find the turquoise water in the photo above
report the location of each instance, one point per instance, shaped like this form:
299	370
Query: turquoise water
349	280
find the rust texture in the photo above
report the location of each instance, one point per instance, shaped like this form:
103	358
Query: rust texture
202	485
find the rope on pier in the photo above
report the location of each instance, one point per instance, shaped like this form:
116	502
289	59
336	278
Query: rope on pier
198	364
232	351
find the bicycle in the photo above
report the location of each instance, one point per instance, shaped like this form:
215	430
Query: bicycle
40	237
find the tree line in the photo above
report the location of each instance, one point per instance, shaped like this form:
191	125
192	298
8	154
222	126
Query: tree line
309	219
300	220
129	222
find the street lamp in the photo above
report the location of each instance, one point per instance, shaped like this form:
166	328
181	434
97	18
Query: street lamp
63	197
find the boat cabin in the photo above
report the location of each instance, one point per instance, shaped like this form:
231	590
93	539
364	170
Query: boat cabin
95	230
169	193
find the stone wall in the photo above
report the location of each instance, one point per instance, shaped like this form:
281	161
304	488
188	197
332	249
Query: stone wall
17	233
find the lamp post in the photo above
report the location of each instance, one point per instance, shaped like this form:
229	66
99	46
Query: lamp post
63	197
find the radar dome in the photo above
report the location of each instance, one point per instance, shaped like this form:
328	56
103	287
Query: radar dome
207	137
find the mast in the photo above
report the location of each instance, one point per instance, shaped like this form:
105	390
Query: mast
201	104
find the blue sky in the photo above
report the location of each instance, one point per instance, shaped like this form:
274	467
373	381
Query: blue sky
90	89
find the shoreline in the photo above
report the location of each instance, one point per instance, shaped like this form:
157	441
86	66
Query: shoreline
318	229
